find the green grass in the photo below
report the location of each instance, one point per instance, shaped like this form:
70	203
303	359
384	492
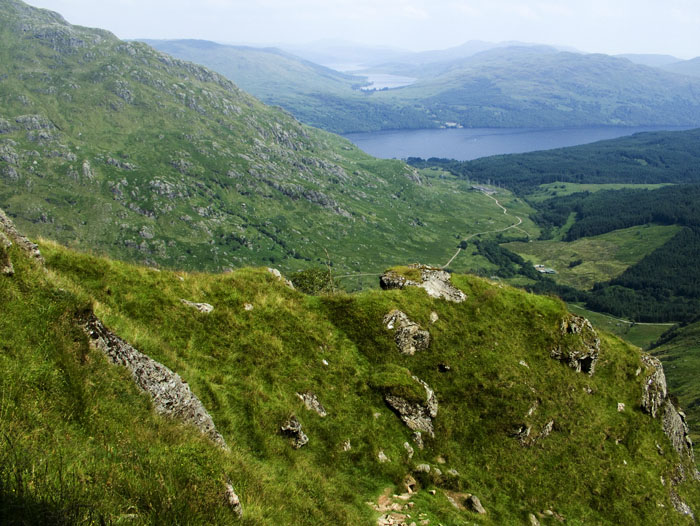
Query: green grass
550	190
247	365
603	257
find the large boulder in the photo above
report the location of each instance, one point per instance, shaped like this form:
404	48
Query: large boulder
408	335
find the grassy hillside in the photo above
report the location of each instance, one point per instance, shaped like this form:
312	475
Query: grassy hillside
590	260
118	148
82	444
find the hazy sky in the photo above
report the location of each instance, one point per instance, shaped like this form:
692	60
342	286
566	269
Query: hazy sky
607	26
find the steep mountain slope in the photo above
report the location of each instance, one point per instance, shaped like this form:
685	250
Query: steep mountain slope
119	148
679	349
319	401
314	94
260	71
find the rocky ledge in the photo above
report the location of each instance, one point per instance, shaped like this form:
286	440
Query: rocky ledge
435	281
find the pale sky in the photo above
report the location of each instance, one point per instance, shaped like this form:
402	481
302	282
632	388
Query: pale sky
605	26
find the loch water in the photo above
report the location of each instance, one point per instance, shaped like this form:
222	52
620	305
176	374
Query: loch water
465	144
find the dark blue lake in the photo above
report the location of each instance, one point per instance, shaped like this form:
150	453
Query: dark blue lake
470	143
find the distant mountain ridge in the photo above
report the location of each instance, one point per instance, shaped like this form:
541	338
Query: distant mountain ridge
474	85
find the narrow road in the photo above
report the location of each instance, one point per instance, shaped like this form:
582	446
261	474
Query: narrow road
515	225
571	305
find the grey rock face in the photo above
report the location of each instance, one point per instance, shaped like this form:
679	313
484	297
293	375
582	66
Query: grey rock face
292	428
435	281
655	401
654	386
171	395
582	353
312	403
418	439
87	170
418	417
408	335
676	429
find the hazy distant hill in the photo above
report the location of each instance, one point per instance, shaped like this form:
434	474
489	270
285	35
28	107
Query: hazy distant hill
650	59
686	67
542	87
529	86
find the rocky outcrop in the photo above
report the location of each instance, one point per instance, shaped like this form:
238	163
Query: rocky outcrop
408	335
656	403
170	394
201	307
417	416
579	346
655	391
676	429
312	403
435	281
391	280
7	227
292	428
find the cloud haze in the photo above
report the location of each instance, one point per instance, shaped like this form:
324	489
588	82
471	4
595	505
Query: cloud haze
619	26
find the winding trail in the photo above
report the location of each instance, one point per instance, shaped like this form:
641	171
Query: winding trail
515	226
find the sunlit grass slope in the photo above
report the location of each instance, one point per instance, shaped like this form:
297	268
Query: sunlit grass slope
88	436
